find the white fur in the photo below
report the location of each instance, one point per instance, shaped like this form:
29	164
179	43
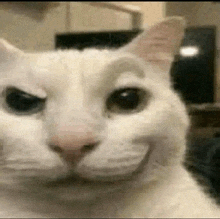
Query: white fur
136	169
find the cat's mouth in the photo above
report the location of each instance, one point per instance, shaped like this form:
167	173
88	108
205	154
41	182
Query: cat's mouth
59	178
71	180
75	179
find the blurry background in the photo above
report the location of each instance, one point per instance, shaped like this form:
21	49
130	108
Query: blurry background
35	26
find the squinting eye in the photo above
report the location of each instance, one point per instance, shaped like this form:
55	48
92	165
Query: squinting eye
126	100
23	103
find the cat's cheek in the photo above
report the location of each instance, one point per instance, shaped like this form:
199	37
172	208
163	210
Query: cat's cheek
24	145
112	161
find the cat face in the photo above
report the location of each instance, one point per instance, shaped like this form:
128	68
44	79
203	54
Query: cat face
97	115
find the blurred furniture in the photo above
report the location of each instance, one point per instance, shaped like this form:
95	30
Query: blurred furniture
205	120
37	23
193	71
203	161
203	149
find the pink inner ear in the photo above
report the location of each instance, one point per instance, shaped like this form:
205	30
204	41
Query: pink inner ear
159	43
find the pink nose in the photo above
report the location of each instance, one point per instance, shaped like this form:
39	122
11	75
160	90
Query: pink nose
73	142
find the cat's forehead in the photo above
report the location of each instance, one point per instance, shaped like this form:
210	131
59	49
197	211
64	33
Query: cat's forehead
72	70
69	67
68	62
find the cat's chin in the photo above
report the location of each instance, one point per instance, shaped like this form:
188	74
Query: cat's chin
76	179
70	188
83	188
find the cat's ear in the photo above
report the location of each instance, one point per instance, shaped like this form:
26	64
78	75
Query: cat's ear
7	51
159	43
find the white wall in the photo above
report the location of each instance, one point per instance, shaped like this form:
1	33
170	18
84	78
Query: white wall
152	11
29	33
85	17
184	9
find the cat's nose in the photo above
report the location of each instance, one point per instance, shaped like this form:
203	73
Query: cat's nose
72	143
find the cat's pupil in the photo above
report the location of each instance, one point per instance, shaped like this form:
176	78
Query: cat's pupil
22	102
127	99
123	100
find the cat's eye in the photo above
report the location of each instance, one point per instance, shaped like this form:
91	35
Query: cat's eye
23	103
126	100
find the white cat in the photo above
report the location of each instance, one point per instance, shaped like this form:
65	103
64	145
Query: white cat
98	133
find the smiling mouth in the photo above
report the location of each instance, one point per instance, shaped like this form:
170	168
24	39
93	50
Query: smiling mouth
73	180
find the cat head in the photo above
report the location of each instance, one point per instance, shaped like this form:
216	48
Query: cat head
97	116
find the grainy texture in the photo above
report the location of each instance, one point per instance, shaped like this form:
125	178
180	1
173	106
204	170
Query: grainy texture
97	133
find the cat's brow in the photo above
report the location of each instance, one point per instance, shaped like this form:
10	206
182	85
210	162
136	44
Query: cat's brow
121	65
25	86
